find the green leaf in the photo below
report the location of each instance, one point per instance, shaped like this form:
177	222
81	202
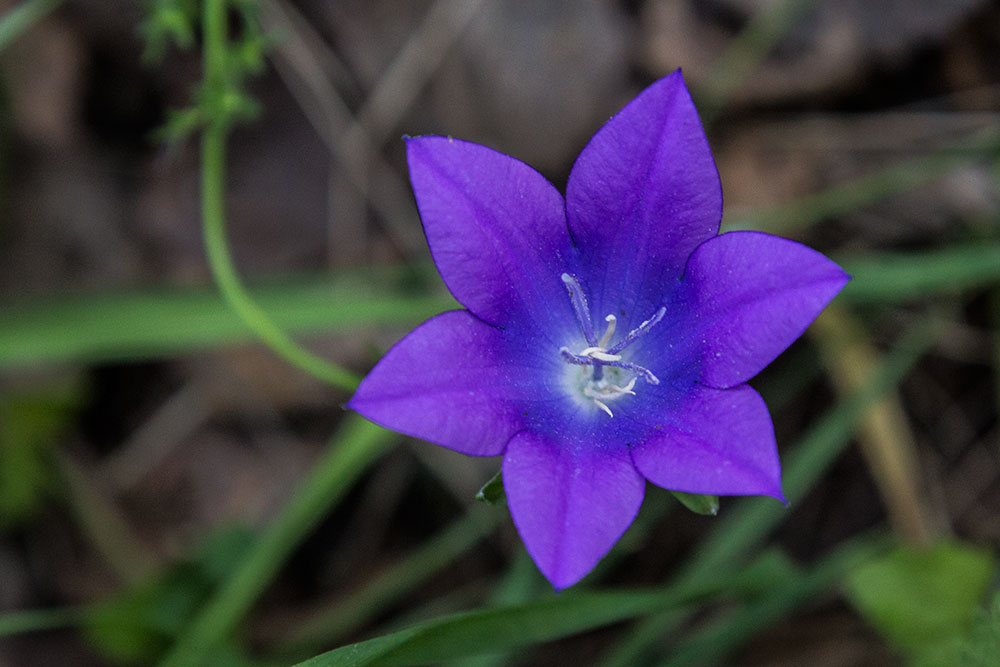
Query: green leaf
553	616
698	503
35	620
982	647
168	22
487	630
492	492
921	598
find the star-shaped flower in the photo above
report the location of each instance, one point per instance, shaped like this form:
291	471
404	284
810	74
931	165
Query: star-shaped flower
607	338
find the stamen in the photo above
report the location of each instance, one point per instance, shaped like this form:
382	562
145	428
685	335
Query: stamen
599	353
604	407
638	332
580	306
627	389
591	360
646	374
575	359
609	332
609	391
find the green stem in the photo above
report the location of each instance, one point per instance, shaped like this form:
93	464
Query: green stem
213	174
358	442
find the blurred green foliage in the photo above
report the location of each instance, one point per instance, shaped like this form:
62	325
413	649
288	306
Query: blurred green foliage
30	425
979	648
224	99
168	22
137	626
922	599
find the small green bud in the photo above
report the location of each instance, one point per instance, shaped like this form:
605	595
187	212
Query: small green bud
492	492
698	503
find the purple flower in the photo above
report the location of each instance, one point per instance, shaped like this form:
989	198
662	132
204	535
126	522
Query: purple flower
607	337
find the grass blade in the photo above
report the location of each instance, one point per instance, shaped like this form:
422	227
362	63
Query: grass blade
124	327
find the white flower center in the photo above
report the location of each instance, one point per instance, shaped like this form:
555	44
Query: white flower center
604	376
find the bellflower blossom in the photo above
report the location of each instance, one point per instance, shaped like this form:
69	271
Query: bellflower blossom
606	338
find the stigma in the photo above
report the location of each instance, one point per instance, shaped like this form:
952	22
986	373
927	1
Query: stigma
605	376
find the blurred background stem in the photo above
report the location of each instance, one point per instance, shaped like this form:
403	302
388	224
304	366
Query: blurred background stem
884	435
17	21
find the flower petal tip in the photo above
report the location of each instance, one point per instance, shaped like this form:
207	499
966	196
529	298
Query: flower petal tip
644	187
570	502
559	584
441	383
755	294
776	492
495	227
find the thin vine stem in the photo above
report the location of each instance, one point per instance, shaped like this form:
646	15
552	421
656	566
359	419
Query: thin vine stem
353	449
213	175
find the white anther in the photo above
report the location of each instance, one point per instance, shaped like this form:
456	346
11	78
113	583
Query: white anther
602	406
599	353
627	389
609	391
609	332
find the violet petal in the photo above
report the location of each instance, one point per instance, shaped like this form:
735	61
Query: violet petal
641	196
496	229
448	381
717	442
570	503
749	295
